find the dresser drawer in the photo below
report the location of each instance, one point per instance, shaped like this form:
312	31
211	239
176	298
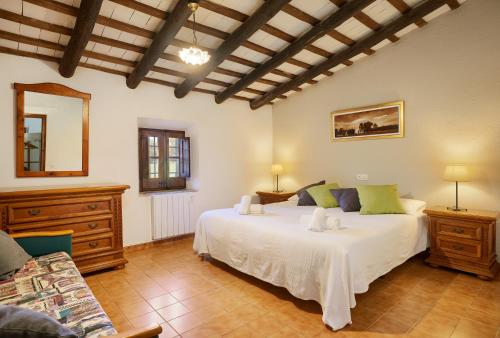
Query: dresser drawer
464	248
457	228
82	226
86	245
57	209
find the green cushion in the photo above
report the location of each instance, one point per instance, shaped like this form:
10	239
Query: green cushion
379	199
322	196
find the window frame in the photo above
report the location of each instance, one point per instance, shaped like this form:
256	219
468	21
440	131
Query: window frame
164	182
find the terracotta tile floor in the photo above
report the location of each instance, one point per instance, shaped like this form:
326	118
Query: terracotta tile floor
170	285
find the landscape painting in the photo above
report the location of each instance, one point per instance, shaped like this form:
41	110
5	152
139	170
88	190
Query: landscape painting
380	121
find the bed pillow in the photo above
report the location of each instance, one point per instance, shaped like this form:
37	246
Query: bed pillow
322	196
17	322
347	199
412	207
379	199
304	198
12	256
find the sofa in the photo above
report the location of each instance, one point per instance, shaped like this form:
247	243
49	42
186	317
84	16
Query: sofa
51	283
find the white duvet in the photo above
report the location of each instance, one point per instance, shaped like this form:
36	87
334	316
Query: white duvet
328	267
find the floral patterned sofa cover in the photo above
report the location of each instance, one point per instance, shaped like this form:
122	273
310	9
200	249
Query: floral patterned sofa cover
51	283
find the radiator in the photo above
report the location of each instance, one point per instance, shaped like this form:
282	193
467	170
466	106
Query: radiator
172	214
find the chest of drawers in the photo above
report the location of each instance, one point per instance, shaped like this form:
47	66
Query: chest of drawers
93	213
463	240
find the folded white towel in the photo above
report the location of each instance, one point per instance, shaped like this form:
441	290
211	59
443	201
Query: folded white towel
331	223
244	207
255	209
318	220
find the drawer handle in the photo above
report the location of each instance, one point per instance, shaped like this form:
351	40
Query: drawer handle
458	247
34	212
93	225
458	230
93	244
92	206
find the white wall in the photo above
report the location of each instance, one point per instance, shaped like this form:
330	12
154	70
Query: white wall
232	145
448	74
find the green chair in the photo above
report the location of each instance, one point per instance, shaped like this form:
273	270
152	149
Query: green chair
41	243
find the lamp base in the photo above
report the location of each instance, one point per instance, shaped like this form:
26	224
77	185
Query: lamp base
456	209
278	191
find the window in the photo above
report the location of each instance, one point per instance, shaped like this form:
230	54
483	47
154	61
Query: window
163	159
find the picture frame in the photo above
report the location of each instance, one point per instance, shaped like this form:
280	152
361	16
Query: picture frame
385	120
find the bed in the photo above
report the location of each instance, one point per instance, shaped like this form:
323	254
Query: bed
328	267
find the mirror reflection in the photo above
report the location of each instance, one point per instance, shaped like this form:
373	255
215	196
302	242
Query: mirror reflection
52	132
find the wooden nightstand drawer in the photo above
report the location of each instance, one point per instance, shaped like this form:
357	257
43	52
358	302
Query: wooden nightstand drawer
457	228
466	248
463	240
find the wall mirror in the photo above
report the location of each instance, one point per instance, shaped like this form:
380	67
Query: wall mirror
52	131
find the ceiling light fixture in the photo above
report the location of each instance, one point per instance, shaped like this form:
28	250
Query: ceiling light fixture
194	55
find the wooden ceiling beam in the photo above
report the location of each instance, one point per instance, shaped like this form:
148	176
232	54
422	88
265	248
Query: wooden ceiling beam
271	30
402	7
72	11
162	40
365	19
303	16
373	39
111	59
57	60
14	17
85	22
334	20
146	9
453	4
235	40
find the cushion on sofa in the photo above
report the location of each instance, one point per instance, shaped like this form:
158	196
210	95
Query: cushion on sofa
12	256
16	322
53	285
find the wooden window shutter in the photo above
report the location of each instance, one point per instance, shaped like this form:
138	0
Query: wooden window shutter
185	160
143	156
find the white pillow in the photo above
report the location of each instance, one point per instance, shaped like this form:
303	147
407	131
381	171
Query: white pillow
294	198
412	207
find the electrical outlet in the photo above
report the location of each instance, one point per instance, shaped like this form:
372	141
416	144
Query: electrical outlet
362	177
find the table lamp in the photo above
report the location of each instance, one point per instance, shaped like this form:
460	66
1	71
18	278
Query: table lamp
277	169
456	173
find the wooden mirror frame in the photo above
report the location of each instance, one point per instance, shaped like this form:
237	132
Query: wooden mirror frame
53	89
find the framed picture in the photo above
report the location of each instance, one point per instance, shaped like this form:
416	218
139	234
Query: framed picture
384	120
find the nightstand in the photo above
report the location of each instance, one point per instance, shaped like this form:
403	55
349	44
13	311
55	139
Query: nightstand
463	240
273	197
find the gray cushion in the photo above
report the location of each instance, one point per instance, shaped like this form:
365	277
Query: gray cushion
12	256
16	322
348	199
304	198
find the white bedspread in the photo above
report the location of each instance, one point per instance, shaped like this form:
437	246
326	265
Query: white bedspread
328	267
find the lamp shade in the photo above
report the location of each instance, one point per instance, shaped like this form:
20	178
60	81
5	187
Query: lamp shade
276	169
456	173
